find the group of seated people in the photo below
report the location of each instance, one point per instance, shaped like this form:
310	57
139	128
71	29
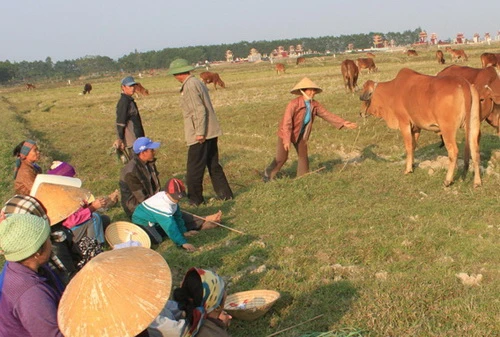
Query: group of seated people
43	255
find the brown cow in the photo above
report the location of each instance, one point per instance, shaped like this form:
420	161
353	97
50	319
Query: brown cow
440	57
457	54
30	86
366	63
411	52
280	68
413	102
300	60
487	83
140	90
350	74
87	88
372	55
490	59
214	78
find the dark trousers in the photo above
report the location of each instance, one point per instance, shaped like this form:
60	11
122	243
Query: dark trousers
282	157
200	156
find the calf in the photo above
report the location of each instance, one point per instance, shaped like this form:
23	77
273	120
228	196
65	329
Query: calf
411	52
490	59
140	90
280	68
214	78
440	57
366	63
87	88
30	86
350	74
457	54
300	60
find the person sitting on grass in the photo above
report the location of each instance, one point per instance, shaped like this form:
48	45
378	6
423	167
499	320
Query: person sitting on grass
27	154
29	291
163	209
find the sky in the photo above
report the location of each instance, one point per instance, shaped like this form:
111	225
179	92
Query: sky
70	29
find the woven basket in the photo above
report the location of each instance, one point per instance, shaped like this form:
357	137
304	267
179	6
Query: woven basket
123	231
250	305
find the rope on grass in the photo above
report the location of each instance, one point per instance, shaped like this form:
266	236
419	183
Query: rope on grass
352	147
296	325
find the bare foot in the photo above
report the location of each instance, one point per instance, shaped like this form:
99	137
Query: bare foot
210	219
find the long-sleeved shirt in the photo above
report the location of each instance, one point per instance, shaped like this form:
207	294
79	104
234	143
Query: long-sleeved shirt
161	210
28	304
128	121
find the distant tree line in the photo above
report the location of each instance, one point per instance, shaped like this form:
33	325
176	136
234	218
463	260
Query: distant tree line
134	62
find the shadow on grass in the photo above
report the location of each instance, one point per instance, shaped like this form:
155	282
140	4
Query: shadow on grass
333	300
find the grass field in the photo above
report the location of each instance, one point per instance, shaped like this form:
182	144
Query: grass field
376	251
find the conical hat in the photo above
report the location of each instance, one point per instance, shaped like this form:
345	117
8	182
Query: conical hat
117	293
305	83
60	200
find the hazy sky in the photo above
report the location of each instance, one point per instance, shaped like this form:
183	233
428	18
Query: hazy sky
69	29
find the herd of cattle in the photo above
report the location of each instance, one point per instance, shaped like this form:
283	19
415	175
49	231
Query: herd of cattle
458	96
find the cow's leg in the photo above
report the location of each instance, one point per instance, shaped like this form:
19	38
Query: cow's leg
409	146
449	139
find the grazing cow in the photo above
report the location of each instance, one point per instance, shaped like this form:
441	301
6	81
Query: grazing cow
300	60
140	90
214	78
280	68
366	63
87	88
413	102
411	52
30	86
350	74
371	55
487	83
490	59
457	54
440	57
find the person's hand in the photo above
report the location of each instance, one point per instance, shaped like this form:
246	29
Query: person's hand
225	318
98	203
286	146
119	144
189	247
350	125
2	216
200	139
190	233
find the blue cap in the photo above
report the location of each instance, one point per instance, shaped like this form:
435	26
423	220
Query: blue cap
142	144
129	81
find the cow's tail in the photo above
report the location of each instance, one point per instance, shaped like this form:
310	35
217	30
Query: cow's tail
472	134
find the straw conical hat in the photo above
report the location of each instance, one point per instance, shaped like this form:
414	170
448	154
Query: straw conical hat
117	293
60	200
305	83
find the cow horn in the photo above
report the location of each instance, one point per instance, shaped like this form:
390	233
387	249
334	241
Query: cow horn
488	87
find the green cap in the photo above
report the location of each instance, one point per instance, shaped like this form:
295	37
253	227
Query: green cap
179	66
22	235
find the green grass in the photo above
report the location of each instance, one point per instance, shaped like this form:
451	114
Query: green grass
373	250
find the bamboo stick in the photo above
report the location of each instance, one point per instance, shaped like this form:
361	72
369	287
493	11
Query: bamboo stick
218	224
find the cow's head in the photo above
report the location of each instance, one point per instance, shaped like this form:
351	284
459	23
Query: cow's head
366	96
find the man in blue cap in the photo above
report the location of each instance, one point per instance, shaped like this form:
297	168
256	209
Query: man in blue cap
139	177
128	121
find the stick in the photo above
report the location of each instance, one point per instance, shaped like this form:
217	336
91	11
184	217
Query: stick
218	224
347	161
296	325
308	173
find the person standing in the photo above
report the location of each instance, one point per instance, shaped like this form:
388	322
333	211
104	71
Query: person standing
296	125
128	120
201	129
